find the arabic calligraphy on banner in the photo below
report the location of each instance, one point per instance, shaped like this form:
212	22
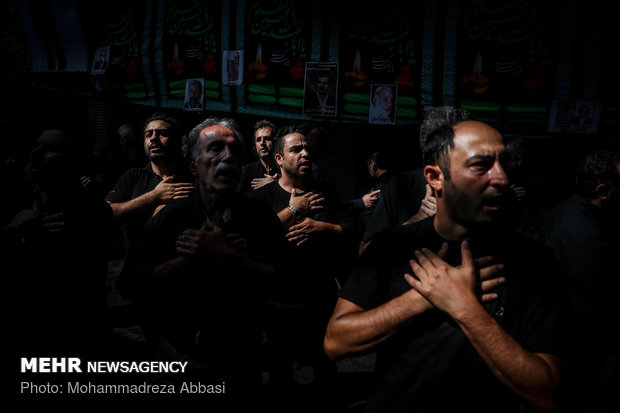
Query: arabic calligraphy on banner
505	51
381	44
277	45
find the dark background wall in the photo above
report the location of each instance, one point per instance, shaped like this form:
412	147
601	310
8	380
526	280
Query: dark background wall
505	61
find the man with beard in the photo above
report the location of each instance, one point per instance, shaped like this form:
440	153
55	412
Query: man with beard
57	257
584	235
317	226
441	347
140	193
206	261
264	170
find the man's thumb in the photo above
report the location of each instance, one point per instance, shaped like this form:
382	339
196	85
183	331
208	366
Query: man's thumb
429	190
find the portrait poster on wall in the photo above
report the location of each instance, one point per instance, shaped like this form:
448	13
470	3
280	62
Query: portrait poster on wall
574	116
101	60
320	88
194	96
382	104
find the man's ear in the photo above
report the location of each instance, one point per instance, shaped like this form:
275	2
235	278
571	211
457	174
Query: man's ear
435	178
278	158
192	167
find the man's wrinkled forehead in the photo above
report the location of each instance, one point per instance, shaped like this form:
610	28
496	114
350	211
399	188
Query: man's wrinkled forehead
217	132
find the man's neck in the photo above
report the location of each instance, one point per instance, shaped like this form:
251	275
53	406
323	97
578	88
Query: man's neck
267	163
448	229
163	168
214	203
288	183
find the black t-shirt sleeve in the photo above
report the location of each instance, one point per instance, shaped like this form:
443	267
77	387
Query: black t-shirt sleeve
368	285
399	200
122	190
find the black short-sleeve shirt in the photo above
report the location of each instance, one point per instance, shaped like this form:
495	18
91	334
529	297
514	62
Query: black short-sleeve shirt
399	200
431	365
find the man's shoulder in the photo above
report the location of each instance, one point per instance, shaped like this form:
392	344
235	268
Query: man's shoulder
137	172
414	176
251	167
252	205
522	251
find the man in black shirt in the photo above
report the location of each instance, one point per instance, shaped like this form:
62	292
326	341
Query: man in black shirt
407	198
440	347
582	231
140	193
206	261
264	170
56	257
317	226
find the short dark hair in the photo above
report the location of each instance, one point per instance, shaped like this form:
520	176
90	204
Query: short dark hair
380	159
278	142
436	148
175	126
265	123
194	134
598	167
440	116
437	135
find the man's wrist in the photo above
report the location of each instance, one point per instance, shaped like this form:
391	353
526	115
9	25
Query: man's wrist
295	211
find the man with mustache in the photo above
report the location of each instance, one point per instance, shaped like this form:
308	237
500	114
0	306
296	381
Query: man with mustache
140	193
318	227
206	261
440	345
264	170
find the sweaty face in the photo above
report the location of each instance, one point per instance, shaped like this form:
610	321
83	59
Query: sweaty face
296	161
157	140
263	142
218	166
474	193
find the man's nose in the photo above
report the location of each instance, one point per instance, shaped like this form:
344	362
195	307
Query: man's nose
498	175
226	153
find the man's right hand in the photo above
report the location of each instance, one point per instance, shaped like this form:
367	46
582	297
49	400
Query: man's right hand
307	203
259	182
488	278
167	191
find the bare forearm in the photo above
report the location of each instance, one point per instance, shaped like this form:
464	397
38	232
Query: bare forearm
361	331
140	203
533	377
169	268
286	217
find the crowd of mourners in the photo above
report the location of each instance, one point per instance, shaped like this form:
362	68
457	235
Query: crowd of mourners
473	289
